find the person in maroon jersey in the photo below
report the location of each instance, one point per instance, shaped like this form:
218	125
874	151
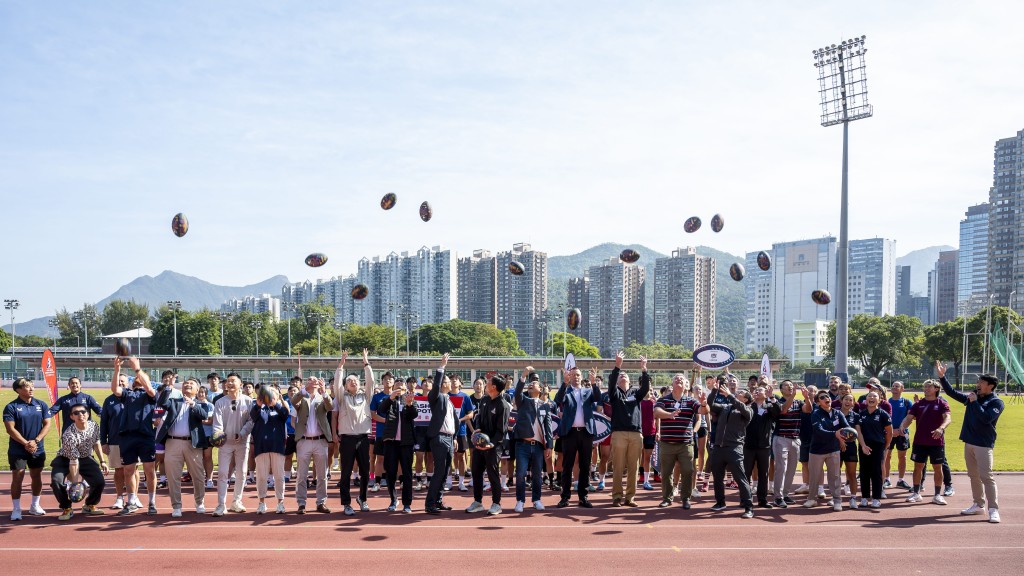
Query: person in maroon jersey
932	415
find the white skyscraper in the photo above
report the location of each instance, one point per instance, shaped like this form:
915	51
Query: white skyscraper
972	267
872	277
798	269
757	290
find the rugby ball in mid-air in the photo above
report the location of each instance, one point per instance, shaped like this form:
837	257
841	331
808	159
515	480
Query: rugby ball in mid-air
764	261
218	438
692	224
737	271
426	212
629	256
713	356
360	291
388	201
516	268
179	225
316	260
848	434
123	347
821	297
573	319
717	223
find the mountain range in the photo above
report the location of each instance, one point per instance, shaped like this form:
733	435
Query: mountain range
921	262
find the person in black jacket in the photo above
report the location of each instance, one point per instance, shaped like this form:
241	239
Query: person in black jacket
757	448
440	436
399	410
627	439
533	437
491	418
730	435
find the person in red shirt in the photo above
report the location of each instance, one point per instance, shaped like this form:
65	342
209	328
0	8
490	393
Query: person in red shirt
932	415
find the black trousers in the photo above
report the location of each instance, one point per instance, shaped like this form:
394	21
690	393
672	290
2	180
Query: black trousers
871	471
355	449
441	450
578	444
480	461
732	458
759	456
395	454
91	473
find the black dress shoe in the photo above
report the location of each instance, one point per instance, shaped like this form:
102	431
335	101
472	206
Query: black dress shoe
585	503
301	510
563	502
686	504
764	505
445	508
323	508
432	511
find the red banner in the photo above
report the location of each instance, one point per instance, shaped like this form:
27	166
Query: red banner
49	368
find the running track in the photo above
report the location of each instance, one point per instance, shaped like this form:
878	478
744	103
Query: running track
901	538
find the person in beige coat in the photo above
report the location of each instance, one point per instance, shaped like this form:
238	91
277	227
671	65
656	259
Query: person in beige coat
312	434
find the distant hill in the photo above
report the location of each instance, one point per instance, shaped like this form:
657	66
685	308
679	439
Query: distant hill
193	293
921	262
731	299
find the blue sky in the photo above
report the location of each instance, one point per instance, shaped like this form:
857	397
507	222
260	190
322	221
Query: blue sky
277	127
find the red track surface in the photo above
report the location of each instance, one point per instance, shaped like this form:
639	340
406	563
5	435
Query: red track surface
900	538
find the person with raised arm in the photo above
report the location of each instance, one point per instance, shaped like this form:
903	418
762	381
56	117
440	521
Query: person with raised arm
353	419
269	416
627	438
533	437
978	434
440	436
399	437
313	405
733	416
183	436
577	429
137	435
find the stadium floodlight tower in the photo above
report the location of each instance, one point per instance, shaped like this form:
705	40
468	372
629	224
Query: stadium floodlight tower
843	86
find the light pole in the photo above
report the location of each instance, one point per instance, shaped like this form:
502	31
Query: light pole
257	324
409	317
138	336
223	316
341	326
84	316
52	322
320	318
289	307
174	305
395	307
842	84
12	305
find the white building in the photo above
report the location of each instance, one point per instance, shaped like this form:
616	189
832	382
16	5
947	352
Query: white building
809	338
798	269
262	304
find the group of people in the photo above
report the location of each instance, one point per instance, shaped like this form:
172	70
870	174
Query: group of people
414	434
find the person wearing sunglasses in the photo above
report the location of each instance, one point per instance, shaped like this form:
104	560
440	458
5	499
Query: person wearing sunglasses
231	418
74	463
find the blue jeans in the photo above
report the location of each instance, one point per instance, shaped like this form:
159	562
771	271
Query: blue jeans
529	455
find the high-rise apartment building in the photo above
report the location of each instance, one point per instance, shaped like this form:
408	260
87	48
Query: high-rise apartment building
684	299
616	305
578	296
262	304
757	290
904	299
872	277
523	299
972	266
478	288
1006	223
943	287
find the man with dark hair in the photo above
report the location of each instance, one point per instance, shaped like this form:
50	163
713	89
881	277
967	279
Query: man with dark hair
978	434
491	419
764	416
313	406
352	420
387	380
627	439
900	442
73	397
440	436
213	386
679	415
184	438
27	421
730	435
533	436
786	444
825	445
577	429
399	410
137	441
461	439
933	416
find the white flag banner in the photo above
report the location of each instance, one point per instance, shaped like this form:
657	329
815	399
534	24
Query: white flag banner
766	368
570	362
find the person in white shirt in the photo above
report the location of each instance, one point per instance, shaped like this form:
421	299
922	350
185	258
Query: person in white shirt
231	418
352	421
313	433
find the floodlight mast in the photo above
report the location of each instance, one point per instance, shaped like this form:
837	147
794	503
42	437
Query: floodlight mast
842	82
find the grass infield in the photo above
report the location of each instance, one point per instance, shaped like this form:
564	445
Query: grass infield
1009	454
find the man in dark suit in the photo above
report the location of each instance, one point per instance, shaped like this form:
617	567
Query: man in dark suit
184	439
399	411
440	435
576	429
533	437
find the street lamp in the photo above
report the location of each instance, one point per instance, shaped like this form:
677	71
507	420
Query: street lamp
52	322
12	305
174	305
843	86
409	317
138	336
223	316
341	326
257	324
395	307
320	318
83	316
290	307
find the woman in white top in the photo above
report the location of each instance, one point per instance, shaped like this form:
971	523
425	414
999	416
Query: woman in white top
74	463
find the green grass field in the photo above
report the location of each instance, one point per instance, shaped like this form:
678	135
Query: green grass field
1009	449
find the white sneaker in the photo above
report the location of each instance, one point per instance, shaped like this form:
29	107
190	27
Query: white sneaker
938	499
238	507
801	489
36	510
475	507
974	509
837	506
875	504
15	515
262	508
853	503
219	511
118	504
200	509
993	515
209	484
280	508
519	506
809	503
914	497
821	494
863	502
136	502
537	505
176	513
270	482
494	510
846	490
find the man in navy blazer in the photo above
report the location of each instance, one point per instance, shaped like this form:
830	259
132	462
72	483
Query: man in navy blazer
440	434
181	432
576	429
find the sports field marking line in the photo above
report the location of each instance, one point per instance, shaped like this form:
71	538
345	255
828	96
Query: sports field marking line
377	550
744	524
